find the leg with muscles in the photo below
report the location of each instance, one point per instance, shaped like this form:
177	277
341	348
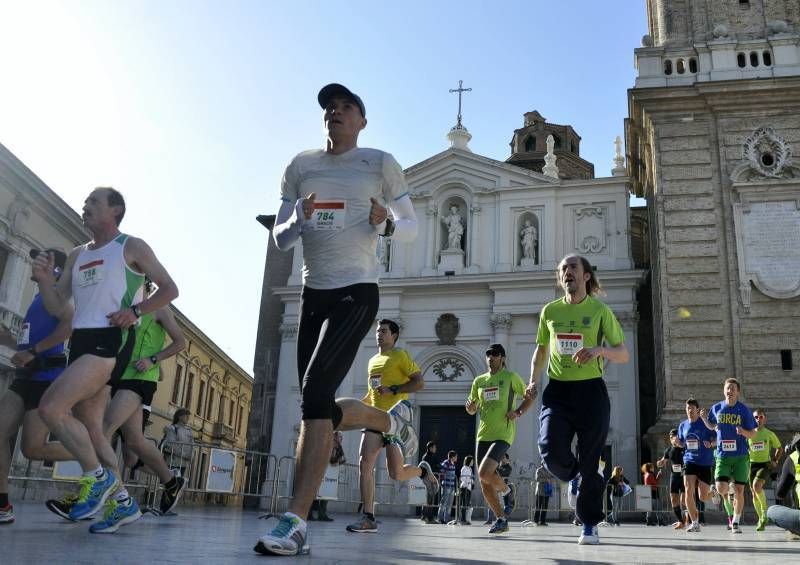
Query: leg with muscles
12	410
397	468
690	482
491	484
371	444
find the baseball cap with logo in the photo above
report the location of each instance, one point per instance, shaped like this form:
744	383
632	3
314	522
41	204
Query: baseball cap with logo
330	91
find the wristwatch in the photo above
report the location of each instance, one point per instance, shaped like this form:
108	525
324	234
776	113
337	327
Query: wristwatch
519	412
389	228
136	311
154	360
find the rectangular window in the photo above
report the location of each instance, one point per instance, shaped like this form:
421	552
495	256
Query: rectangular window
231	413
3	261
239	422
210	403
176	386
786	359
187	402
221	410
199	408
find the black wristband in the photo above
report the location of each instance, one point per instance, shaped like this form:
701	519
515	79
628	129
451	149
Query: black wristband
154	360
136	311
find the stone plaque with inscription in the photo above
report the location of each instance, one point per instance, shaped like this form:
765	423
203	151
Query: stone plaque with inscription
768	245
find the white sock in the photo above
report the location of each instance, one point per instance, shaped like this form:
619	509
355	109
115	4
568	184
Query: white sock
737	518
121	495
392	426
96	473
293	515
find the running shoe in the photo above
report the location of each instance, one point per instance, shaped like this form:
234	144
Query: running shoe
500	525
677	526
403	416
430	481
363	526
572	492
63	506
288	537
762	524
7	514
93	495
589	536
694	528
735	529
730	522
171	495
509	500
117	514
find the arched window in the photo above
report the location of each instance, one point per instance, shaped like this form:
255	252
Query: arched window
741	60
693	65
753	59
767	58
680	66
530	144
667	67
556	141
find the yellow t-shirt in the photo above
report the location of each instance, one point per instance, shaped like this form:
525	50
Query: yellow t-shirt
391	368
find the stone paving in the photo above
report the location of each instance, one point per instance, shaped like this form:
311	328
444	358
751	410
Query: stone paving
222	536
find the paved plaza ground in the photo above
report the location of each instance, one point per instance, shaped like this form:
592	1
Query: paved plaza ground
221	536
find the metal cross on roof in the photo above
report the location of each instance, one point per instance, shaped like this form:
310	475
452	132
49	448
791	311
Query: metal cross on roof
460	89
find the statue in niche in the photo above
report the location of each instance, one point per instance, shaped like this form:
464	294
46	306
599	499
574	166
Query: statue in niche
455	228
528	238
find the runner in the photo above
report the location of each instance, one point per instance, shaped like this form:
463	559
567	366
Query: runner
494	396
103	277
734	423
673	457
39	360
136	388
576	334
392	374
765	453
332	200
698	459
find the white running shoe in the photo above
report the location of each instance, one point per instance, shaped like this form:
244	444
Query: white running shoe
403	416
288	537
589	539
693	528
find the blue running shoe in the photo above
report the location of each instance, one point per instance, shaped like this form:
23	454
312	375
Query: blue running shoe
92	496
589	536
500	525
572	492
117	514
508	501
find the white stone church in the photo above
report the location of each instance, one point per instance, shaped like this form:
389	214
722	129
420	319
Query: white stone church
483	265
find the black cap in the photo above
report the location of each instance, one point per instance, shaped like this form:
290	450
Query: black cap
333	90
496	348
60	256
673	432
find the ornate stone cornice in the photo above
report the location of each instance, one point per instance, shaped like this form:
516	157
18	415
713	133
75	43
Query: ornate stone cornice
288	331
501	321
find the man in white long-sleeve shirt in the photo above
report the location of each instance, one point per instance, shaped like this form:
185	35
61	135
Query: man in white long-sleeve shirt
336	200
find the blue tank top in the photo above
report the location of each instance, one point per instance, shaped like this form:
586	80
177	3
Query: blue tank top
37	325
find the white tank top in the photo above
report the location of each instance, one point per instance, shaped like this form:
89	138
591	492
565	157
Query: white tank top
102	283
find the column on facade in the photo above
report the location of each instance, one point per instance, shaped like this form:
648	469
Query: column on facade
501	326
475	212
430	251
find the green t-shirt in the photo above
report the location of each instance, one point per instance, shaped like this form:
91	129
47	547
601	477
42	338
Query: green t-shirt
494	395
149	341
762	445
566	328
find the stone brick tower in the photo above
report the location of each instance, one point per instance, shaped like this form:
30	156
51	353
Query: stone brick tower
714	122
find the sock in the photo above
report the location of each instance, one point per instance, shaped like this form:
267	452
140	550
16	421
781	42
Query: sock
96	473
370	515
292	515
122	495
392	427
3	499
588	529
171	483
762	498
677	511
728	506
737	518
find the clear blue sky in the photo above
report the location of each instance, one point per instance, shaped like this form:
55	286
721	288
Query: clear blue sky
192	109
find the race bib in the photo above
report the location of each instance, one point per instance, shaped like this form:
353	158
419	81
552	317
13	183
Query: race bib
24	337
692	444
91	273
758	446
568	344
329	215
374	381
491	393
676	468
728	445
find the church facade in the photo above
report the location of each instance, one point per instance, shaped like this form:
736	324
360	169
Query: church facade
491	234
713	127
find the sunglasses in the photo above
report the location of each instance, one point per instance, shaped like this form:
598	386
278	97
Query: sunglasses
493	354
